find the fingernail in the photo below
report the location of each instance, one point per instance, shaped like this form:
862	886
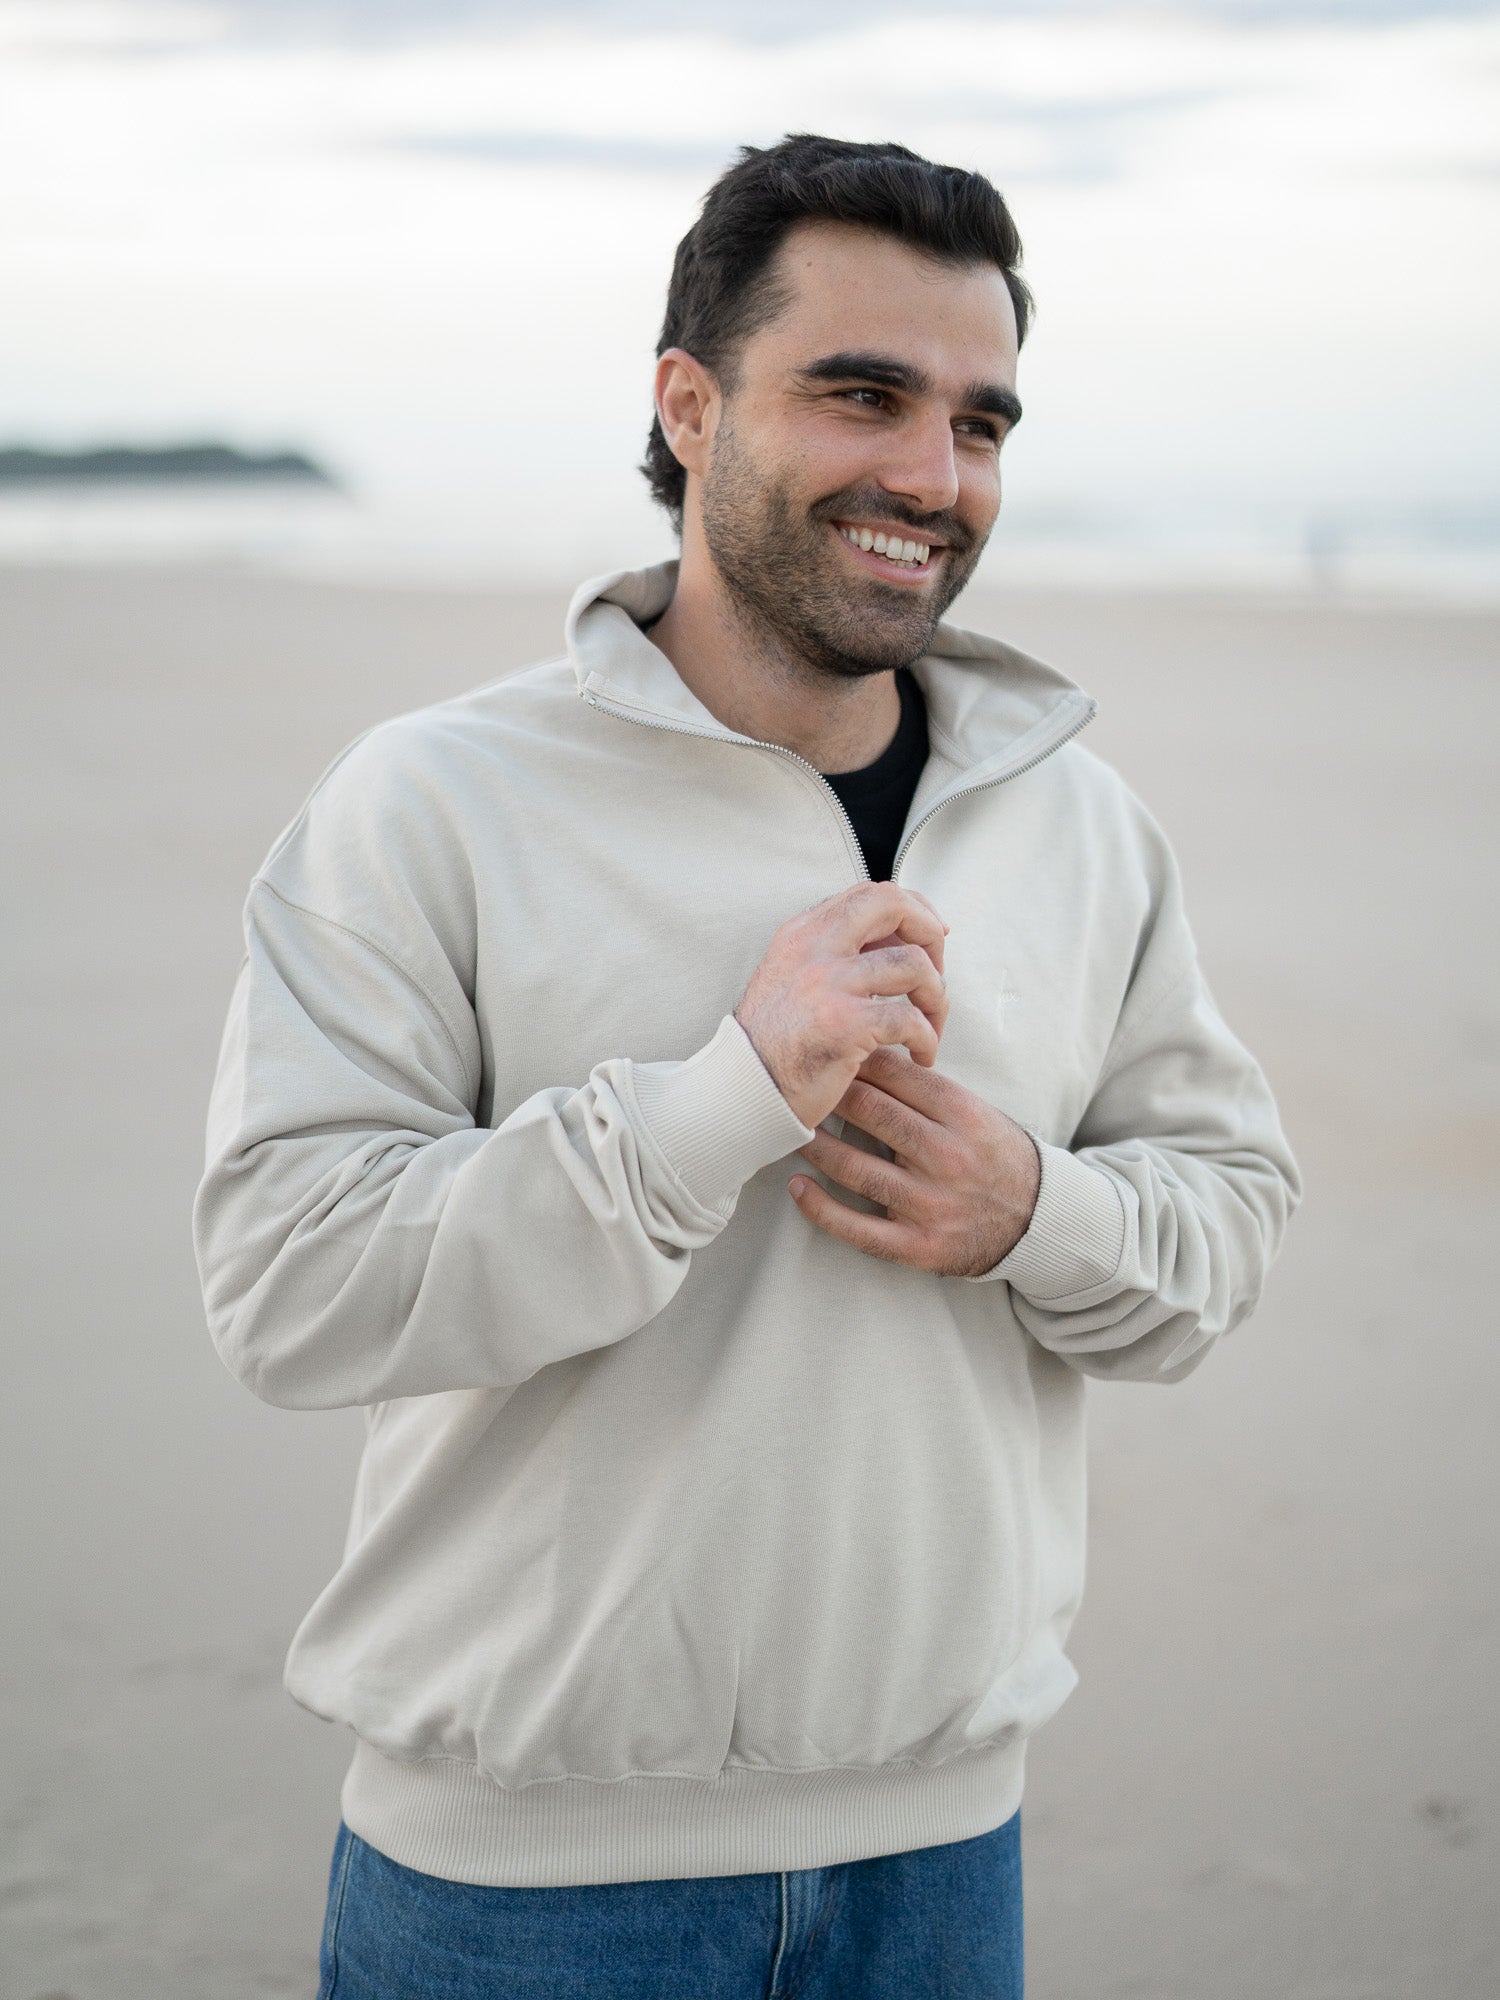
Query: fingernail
797	1184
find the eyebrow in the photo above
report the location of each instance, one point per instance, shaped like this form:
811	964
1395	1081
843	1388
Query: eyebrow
886	372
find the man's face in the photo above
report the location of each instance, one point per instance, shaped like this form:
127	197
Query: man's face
871	408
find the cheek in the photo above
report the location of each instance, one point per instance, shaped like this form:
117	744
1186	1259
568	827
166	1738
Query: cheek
832	457
980	492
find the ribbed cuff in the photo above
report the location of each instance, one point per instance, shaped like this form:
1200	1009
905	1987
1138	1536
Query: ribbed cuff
718	1116
1076	1236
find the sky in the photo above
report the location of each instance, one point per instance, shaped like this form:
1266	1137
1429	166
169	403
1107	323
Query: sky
429	243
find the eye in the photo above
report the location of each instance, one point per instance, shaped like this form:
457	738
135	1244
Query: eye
981	427
875	398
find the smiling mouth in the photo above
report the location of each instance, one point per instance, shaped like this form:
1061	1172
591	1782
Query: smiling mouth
899	552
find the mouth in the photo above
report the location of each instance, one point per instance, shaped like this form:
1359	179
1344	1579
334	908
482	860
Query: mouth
887	550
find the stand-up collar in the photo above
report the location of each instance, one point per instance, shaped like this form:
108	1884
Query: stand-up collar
988	704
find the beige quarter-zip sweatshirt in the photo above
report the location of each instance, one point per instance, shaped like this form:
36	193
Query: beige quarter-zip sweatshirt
688	1540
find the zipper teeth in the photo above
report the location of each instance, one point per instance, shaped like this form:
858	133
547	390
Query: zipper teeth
683	729
1004	779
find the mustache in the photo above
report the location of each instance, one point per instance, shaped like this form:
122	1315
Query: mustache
939	526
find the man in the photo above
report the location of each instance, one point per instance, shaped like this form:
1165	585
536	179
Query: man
714	1099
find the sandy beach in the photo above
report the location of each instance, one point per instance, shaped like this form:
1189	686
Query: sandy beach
1279	1778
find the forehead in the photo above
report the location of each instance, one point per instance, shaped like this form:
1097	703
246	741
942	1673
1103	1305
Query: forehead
848	288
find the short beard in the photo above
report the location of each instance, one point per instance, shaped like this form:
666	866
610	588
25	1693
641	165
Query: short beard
782	579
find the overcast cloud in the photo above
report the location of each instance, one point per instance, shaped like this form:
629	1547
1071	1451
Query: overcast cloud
757	19
1264	251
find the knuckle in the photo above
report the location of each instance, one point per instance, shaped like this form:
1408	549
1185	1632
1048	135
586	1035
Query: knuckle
905	1133
862	1098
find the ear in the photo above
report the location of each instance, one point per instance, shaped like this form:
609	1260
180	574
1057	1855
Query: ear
688	401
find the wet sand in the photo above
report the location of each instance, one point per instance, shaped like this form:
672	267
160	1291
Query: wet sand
1280	1776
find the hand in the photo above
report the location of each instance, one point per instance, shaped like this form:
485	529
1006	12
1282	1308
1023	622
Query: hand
960	1192
860	971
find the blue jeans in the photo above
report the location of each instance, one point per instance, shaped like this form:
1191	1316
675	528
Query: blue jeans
937	1923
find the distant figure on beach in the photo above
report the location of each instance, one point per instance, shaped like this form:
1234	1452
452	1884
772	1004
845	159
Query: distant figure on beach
714	1099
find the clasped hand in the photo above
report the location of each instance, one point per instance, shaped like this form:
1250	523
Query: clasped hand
846	1010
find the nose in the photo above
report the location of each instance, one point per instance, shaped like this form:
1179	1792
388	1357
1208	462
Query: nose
922	467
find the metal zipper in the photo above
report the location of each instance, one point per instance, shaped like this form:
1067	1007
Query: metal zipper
682	729
1005	777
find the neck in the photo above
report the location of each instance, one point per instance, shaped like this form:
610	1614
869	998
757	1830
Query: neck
753	684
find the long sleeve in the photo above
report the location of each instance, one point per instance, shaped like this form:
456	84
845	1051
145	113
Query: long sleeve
1155	1227
359	1238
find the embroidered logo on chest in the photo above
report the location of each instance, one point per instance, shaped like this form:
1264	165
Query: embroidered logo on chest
1005	999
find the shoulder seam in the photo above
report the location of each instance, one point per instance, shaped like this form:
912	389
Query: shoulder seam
404	971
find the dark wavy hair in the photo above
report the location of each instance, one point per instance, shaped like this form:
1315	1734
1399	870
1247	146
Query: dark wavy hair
721	290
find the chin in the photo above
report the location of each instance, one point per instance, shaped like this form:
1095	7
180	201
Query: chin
867	645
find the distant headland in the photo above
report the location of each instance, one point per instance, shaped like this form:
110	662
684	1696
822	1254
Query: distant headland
217	464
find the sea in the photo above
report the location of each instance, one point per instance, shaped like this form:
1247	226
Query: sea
422	540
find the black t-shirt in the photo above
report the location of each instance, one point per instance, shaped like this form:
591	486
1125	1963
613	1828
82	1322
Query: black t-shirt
879	797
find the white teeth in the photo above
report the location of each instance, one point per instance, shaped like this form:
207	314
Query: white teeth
892	547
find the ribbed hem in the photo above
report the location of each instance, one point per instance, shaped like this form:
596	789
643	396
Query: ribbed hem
1076	1236
445	1818
718	1117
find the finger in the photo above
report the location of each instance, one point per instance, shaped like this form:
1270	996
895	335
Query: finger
896	969
914	931
896	1023
894	938
921	898
908	1132
878	909
927	900
861	1172
926	1090
895	1242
